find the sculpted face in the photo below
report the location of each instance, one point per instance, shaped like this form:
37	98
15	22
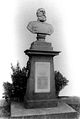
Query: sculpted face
41	15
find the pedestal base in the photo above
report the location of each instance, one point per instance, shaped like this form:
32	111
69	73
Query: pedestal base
62	111
40	89
40	103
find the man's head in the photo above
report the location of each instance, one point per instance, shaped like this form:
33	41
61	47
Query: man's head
41	15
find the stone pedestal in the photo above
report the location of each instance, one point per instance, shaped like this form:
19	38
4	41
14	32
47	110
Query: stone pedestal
40	90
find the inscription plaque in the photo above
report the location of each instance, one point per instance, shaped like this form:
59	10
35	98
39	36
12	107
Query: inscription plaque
42	77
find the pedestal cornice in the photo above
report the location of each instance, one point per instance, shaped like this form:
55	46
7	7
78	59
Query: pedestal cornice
40	52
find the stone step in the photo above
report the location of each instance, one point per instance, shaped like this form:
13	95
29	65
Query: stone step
62	111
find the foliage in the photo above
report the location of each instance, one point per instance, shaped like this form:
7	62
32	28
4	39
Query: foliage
16	90
18	83
60	82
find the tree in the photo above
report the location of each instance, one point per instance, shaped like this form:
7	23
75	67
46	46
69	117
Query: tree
60	82
15	91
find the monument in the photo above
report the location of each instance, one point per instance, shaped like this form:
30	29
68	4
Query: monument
40	90
40	100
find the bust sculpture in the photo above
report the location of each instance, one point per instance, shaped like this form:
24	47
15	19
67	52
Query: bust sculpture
40	27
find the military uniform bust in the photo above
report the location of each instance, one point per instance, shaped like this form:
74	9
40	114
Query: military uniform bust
40	27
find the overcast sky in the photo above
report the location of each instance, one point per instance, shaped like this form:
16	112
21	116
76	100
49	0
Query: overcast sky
64	15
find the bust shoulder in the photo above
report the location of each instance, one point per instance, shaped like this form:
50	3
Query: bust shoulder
40	27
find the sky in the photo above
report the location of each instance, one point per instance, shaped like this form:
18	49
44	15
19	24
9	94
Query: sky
63	15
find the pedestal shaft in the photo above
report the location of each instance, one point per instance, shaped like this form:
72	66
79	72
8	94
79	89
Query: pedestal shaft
40	90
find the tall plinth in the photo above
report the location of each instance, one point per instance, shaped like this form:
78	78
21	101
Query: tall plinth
40	90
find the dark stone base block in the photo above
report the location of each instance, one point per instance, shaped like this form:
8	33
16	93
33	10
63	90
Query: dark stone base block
40	103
